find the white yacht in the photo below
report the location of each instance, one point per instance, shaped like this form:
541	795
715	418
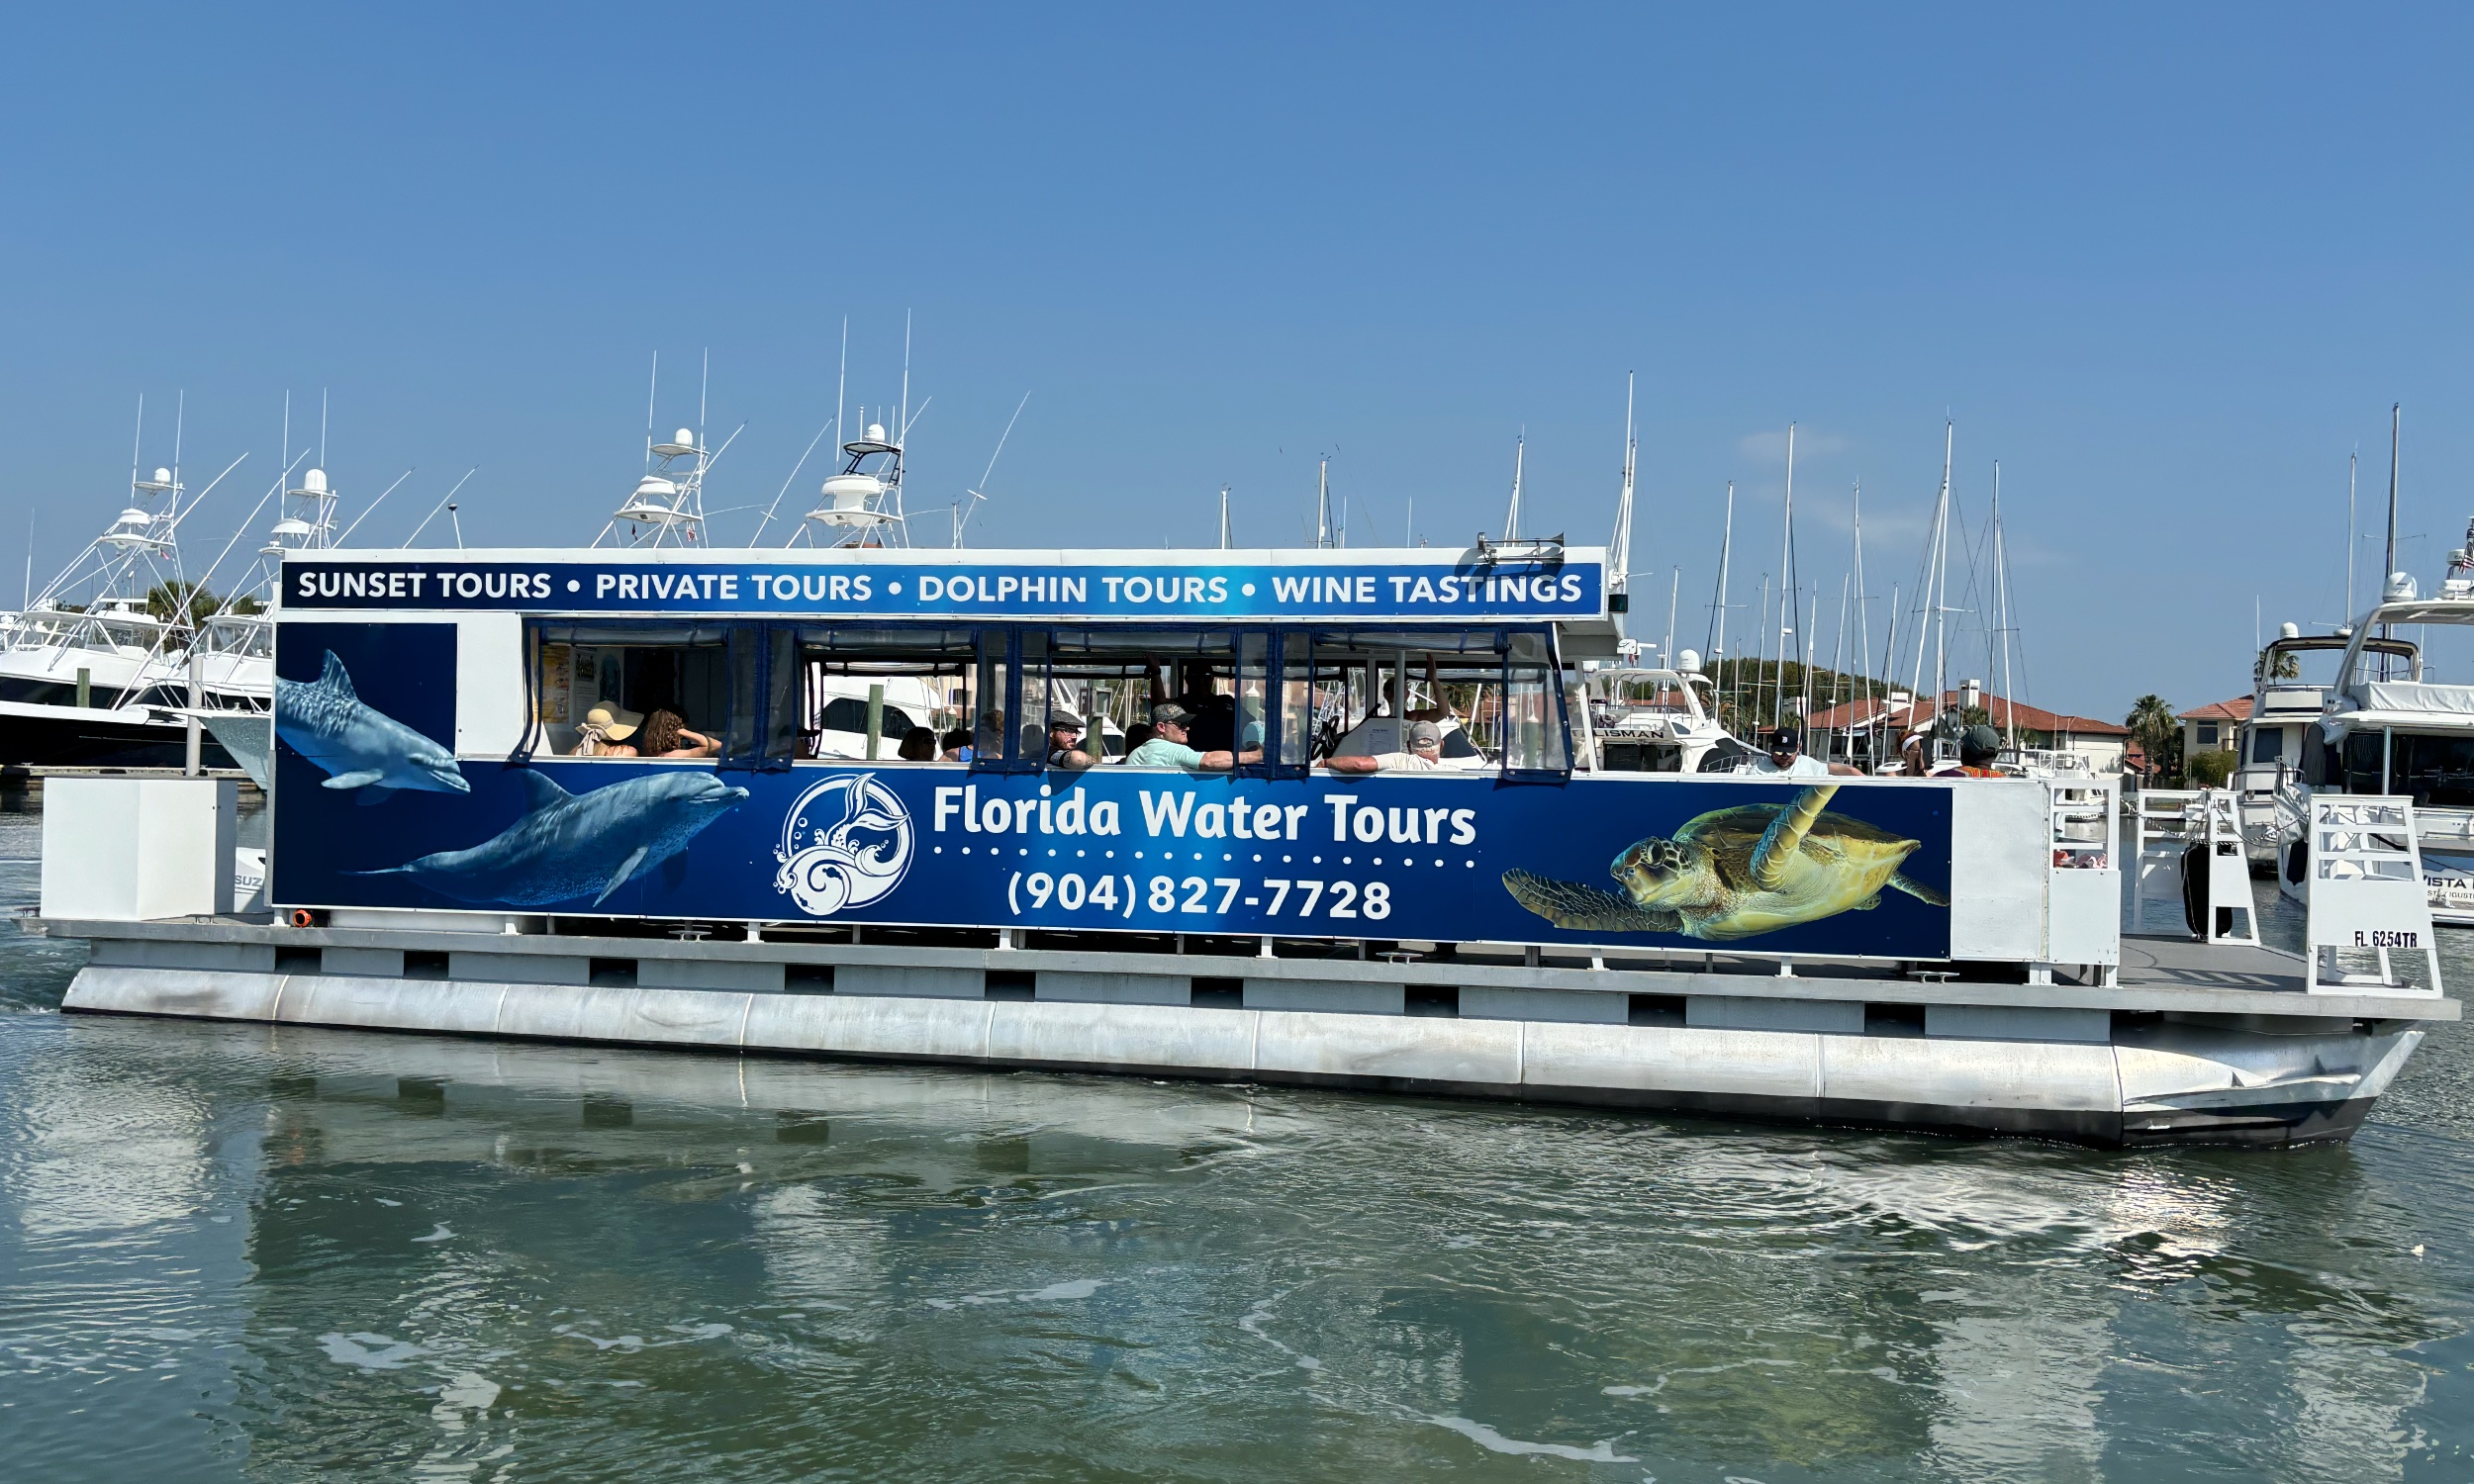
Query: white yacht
1654	720
76	665
2386	727
2290	691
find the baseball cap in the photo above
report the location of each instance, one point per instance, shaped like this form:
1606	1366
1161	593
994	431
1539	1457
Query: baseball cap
1169	713
1980	741
1787	739
1425	731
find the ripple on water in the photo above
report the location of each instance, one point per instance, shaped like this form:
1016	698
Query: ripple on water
288	1253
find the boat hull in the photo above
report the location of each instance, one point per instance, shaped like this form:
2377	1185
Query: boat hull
68	736
2147	1083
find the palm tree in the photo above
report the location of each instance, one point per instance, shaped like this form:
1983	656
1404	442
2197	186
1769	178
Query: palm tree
2159	732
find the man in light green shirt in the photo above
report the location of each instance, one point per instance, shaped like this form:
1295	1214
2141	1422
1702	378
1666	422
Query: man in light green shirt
1168	747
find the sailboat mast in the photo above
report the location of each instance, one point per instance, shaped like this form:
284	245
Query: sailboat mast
1718	609
1941	579
1620	549
1932	564
1838	658
2352	460
2001	587
1666	650
1864	621
2396	422
1786	575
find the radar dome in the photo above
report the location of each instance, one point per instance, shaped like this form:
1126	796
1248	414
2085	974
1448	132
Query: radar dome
1688	661
314	482
685	439
876	432
162	476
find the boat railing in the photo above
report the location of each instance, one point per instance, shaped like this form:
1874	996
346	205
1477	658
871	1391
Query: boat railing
2190	856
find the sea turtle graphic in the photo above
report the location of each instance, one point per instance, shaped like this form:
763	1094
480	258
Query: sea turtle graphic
1736	874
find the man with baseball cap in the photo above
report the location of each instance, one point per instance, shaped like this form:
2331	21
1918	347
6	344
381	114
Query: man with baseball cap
1170	747
1064	736
1424	754
1979	746
1786	757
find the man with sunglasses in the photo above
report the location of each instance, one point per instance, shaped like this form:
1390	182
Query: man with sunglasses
1786	757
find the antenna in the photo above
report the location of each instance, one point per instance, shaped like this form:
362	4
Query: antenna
652	389
137	442
1224	518
786	484
372	508
322	428
1620	549
446	504
904	421
963	521
2351	462
1322	505
1511	513
1675	590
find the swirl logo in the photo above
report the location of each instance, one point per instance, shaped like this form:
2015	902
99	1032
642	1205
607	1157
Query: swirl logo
846	843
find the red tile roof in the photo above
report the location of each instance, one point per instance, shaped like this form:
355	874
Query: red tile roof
2030	719
2236	709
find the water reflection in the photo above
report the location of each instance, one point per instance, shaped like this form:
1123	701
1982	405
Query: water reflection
456	1258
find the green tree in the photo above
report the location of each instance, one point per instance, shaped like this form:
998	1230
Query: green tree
2159	733
181	601
2210	769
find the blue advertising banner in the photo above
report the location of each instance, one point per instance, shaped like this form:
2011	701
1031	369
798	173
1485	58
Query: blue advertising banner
1177	586
1853	870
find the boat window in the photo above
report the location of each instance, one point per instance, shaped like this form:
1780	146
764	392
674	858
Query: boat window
2364	770
914	677
2437	770
630	673
2267	745
1534	740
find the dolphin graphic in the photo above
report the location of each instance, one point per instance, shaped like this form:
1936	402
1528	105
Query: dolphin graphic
573	845
359	748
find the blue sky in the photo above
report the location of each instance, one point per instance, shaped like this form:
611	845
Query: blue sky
2169	265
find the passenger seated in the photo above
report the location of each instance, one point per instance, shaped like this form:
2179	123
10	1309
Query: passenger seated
1065	741
919	745
666	735
1169	746
958	746
606	730
1213	724
1979	746
1424	754
1786	756
1135	736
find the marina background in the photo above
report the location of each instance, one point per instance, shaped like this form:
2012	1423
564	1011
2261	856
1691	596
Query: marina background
2170	269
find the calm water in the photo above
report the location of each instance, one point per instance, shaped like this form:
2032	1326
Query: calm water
234	1252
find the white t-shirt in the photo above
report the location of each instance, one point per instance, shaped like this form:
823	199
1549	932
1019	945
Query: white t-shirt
1403	762
1804	765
